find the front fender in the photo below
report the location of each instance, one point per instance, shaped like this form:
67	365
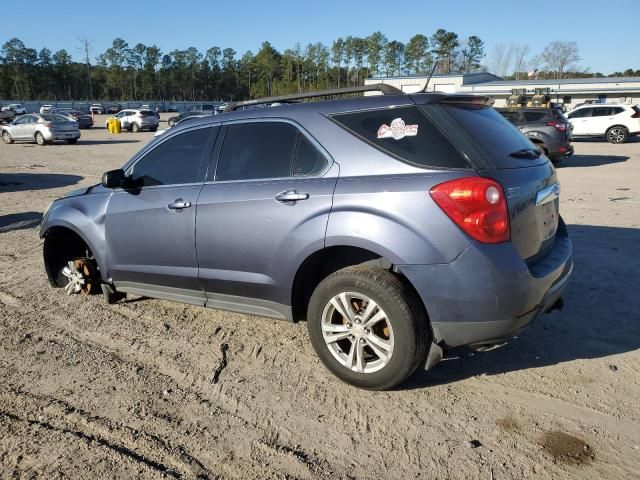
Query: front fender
85	216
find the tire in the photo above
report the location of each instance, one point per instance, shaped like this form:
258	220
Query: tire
135	128
6	137
171	122
40	139
154	129
402	328
617	134
72	141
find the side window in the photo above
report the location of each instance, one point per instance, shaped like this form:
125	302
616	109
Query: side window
173	162
581	113
307	161
600	112
22	120
616	110
513	117
534	116
257	150
407	134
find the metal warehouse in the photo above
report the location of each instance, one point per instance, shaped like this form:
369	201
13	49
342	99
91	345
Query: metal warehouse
570	91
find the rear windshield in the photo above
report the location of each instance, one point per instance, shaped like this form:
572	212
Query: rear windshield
495	135
407	134
54	118
146	113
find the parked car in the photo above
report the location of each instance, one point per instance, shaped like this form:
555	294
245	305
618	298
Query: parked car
547	128
172	109
16	108
136	120
614	122
7	116
114	108
397	225
84	119
160	108
96	108
147	107
41	128
204	108
184	115
48	109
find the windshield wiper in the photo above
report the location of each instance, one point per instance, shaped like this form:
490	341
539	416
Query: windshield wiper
526	153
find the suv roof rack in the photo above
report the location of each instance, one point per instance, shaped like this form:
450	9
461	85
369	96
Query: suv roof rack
377	87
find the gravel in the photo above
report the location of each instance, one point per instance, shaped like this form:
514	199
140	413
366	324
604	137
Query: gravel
153	389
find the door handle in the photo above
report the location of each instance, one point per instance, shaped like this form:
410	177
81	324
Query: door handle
291	196
178	204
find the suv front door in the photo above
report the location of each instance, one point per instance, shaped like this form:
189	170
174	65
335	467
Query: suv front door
150	224
263	209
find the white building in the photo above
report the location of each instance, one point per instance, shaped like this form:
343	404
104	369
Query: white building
570	91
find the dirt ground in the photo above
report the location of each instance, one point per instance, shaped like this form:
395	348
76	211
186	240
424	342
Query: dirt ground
154	389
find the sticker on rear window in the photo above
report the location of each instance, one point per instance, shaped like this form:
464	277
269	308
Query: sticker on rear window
398	130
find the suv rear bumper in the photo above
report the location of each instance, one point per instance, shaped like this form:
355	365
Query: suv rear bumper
489	293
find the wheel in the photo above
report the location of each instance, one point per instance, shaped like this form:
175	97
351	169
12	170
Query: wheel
72	141
6	138
135	128
171	122
368	327
617	134
78	276
40	139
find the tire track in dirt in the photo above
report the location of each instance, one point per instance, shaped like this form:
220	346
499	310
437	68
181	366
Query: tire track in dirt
62	417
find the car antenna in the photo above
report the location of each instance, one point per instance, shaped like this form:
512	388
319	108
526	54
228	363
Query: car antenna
435	65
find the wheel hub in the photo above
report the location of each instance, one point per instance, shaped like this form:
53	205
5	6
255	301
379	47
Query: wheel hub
357	332
79	277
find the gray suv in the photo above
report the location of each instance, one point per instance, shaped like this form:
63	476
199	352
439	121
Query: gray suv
397	225
547	128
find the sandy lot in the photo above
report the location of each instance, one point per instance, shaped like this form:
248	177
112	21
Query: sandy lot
141	389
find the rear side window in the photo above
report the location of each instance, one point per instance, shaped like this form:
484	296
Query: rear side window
173	162
616	110
253	151
405	133
513	117
601	112
534	116
497	137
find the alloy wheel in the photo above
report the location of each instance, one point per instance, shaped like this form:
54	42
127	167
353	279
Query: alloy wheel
357	332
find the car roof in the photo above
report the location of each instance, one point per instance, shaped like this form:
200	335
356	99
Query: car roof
337	106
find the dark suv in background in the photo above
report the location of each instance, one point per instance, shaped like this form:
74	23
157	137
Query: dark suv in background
548	128
397	225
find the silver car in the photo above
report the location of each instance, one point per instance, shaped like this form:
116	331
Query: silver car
135	120
41	128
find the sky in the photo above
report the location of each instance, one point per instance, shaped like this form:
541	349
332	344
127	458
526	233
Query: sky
607	37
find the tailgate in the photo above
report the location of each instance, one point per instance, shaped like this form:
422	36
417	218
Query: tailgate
528	179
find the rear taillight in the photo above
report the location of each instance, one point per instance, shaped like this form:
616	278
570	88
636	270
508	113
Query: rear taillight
637	112
477	205
560	126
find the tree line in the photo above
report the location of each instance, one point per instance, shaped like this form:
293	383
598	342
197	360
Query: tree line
141	71
145	72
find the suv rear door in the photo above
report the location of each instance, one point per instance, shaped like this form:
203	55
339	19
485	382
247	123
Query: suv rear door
150	225
263	209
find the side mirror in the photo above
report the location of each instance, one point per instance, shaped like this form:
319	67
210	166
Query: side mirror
113	178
